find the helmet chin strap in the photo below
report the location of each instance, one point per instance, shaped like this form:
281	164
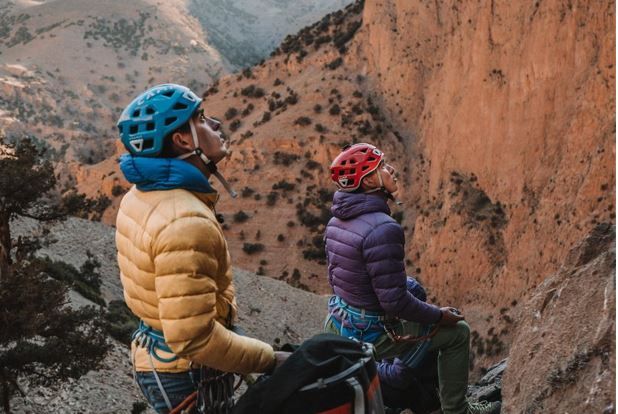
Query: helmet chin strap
212	167
383	189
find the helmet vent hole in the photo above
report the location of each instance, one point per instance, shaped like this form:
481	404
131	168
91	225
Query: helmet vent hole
344	162
148	144
136	113
180	106
150	126
150	110
353	171
169	121
364	150
352	161
365	167
133	129
168	93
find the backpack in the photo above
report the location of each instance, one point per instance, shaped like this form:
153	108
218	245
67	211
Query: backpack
326	374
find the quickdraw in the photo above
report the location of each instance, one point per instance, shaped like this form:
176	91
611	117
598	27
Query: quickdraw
214	395
395	337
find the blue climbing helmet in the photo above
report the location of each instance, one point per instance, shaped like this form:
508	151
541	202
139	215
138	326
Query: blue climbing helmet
151	116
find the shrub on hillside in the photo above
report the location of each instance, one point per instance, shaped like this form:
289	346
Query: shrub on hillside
335	63
284	185
252	248
121	322
247	192
252	91
271	198
240	217
302	121
231	113
235	124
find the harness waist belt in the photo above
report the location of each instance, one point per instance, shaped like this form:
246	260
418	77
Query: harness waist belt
153	340
335	302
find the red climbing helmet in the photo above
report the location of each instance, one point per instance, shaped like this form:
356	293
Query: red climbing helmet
353	164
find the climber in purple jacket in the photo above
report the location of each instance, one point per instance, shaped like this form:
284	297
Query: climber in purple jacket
366	270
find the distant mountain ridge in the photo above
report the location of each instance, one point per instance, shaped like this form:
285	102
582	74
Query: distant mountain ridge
246	31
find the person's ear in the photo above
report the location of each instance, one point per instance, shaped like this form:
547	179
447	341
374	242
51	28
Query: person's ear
182	142
370	181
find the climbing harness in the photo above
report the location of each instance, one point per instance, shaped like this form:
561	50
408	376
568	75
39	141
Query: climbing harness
215	389
153	340
367	326
360	324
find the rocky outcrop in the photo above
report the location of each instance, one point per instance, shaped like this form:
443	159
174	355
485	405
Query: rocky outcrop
563	355
510	101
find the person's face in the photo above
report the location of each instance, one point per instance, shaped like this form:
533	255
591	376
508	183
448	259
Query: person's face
389	178
209	136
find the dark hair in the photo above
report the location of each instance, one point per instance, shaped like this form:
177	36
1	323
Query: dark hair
168	147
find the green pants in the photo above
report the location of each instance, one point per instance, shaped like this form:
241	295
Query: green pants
453	344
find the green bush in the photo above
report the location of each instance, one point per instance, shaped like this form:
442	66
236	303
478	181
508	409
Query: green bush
284	158
284	185
302	121
86	281
121	322
117	190
252	91
271	198
247	192
235	125
335	63
334	110
231	113
240	217
252	248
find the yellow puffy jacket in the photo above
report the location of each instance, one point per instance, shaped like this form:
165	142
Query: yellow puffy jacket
177	277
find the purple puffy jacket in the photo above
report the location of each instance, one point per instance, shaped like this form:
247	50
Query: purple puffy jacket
365	252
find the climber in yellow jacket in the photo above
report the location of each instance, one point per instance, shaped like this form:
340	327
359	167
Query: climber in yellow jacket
174	261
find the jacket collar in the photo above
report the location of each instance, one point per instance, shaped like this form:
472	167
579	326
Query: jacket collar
151	174
350	205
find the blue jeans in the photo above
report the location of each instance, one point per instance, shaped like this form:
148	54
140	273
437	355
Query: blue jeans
177	386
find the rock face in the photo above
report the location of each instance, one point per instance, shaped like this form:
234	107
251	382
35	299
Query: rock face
499	115
563	355
500	118
508	112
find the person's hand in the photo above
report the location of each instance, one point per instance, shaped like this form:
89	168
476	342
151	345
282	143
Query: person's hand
450	316
280	358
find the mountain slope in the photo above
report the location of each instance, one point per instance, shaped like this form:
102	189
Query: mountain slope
68	67
268	309
245	32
